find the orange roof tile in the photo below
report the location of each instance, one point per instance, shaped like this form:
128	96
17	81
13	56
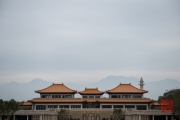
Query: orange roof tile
156	103
27	103
126	88
56	88
91	91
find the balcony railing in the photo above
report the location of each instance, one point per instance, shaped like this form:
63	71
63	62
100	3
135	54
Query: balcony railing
126	111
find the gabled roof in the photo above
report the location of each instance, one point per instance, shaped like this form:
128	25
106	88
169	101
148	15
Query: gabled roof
91	91
126	88
56	88
27	104
156	104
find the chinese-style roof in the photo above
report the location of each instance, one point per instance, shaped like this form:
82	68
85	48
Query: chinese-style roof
27	103
126	88
91	91
156	104
56	88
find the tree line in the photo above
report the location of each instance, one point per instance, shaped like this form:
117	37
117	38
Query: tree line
8	108
173	95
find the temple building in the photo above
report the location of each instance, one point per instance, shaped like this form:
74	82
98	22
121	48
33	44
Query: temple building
91	105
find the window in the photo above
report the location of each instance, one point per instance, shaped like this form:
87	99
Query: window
114	96
67	96
137	96
63	106
52	106
91	117
84	96
56	96
40	107
106	106
129	106
91	96
46	96
126	96
141	107
97	96
75	106
118	106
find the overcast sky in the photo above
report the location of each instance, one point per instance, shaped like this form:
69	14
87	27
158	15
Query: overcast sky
87	40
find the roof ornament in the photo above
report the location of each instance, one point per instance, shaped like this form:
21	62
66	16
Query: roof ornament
141	83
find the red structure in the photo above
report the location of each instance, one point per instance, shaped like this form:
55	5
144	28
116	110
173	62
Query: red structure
166	105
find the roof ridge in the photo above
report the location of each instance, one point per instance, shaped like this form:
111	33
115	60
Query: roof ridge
56	84
138	88
68	87
45	88
128	84
92	88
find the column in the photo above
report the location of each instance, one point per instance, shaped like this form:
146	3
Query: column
46	106
0	117
139	117
133	117
13	117
27	117
124	107
166	117
147	107
153	117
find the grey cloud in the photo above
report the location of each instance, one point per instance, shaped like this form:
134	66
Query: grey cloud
89	35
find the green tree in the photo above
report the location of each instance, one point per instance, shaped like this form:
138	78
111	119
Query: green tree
1	108
175	96
176	103
118	114
62	114
8	108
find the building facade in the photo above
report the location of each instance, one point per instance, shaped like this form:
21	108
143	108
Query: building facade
91	105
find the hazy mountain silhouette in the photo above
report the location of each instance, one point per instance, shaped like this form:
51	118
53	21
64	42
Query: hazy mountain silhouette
25	91
22	91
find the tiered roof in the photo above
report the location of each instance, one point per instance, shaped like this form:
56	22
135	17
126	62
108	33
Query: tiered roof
91	91
126	88
56	88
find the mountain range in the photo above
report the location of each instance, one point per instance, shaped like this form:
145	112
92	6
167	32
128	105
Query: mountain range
25	91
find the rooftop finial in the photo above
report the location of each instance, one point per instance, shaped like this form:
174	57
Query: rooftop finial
141	83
